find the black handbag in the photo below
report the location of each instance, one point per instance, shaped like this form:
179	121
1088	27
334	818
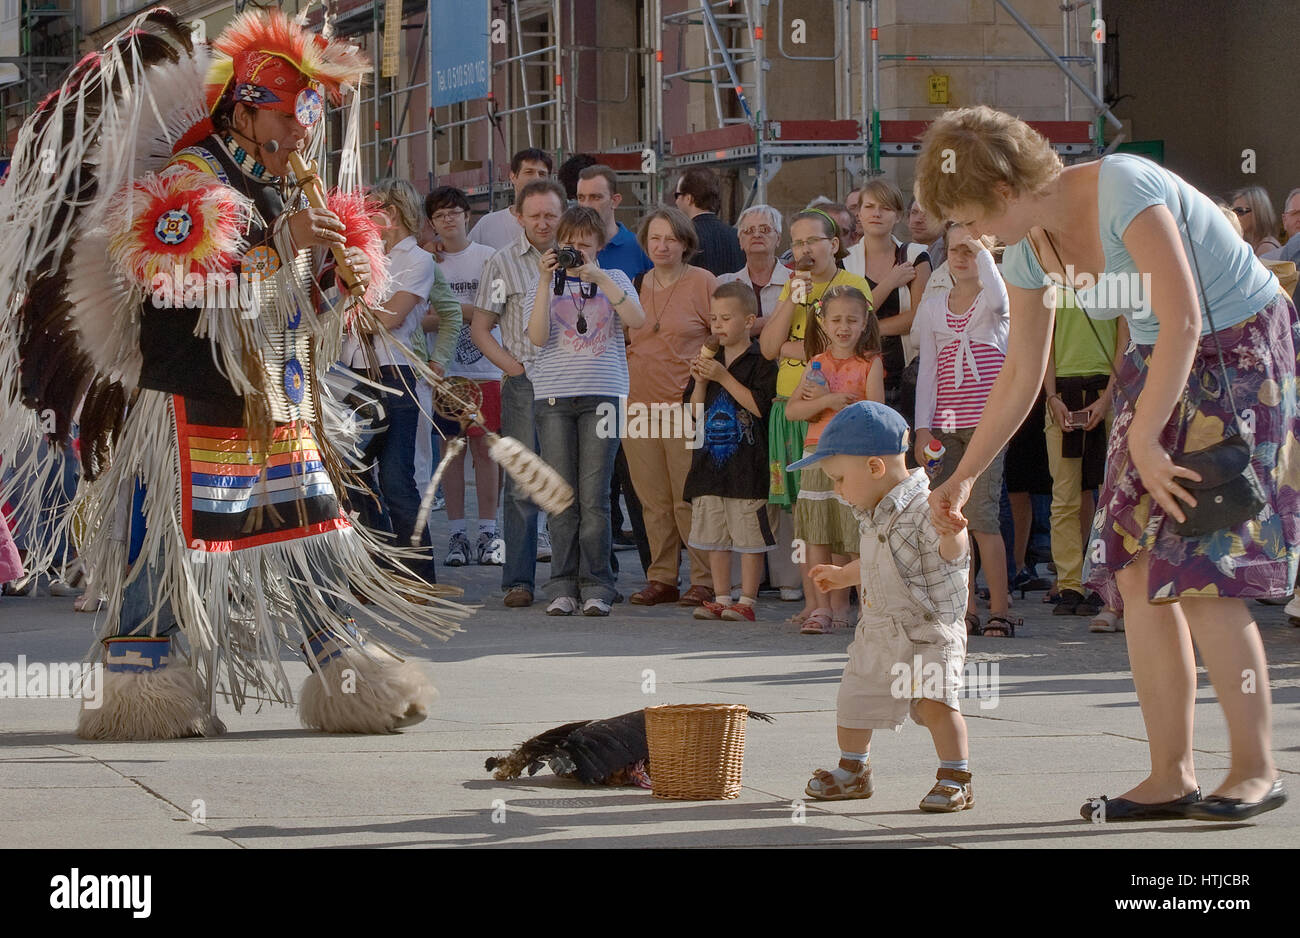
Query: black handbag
1229	493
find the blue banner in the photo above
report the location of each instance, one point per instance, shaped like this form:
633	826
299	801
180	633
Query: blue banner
460	66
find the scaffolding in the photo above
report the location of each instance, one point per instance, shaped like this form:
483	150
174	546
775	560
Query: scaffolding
48	48
737	67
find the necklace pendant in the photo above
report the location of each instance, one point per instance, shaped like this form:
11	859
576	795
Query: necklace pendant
656	327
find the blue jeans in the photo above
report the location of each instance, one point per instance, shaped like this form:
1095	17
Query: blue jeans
399	499
581	539
519	513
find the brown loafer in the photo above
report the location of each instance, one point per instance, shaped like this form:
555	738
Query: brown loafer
654	594
696	596
519	596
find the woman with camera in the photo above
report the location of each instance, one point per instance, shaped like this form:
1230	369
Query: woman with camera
1199	306
578	315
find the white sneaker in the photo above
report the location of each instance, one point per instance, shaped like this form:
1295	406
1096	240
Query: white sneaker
1293	608
491	550
595	607
791	594
562	606
543	546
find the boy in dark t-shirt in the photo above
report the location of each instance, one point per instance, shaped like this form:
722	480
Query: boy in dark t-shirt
728	482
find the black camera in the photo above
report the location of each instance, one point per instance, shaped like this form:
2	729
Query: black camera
567	258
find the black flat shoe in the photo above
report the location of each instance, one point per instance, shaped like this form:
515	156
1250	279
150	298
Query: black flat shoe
1121	809
1218	808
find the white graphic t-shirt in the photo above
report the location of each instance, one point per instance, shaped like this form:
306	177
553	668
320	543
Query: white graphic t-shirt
462	271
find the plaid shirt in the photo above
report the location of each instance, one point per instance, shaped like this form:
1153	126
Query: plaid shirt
935	584
512	274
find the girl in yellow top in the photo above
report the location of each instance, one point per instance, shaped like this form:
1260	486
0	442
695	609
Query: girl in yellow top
817	247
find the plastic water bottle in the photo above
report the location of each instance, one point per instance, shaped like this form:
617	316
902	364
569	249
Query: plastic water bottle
933	453
815	376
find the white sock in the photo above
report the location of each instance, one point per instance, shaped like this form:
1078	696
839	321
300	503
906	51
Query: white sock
843	775
457	527
487	527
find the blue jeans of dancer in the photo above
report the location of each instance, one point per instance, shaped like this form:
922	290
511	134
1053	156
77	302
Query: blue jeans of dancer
519	511
580	535
399	499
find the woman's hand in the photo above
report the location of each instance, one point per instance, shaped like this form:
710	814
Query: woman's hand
707	369
547	264
946	503
829	577
899	275
1097	410
1060	413
1160	476
315	227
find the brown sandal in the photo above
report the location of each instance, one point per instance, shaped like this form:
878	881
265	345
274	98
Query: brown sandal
951	792
832	789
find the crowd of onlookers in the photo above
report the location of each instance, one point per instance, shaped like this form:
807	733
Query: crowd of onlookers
673	372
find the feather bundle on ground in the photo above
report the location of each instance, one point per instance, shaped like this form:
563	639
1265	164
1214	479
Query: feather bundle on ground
595	752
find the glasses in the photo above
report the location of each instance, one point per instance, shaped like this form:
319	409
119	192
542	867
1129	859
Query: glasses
449	215
1240	210
757	230
807	242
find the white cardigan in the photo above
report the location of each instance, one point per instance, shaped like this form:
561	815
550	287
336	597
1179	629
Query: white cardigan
989	324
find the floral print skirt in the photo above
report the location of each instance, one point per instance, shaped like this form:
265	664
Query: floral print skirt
1257	558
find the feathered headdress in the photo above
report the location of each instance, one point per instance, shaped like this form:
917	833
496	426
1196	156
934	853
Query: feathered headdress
267	60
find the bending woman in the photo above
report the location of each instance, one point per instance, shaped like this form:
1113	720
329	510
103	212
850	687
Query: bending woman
1124	216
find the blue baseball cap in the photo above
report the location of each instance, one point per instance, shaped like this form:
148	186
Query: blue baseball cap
864	428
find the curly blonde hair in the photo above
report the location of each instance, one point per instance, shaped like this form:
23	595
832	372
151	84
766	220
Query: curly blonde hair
967	152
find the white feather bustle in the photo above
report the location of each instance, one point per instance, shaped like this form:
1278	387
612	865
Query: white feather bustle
165	704
365	692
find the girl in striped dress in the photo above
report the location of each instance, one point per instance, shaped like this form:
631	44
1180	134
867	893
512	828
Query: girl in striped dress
962	338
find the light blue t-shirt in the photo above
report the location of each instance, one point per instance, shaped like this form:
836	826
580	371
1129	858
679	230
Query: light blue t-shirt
574	362
1237	285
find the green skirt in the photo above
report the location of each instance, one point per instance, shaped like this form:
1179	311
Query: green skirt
820	517
784	446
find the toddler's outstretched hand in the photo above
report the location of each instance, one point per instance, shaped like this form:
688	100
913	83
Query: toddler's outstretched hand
829	577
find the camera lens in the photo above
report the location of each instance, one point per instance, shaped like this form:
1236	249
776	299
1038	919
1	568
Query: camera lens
568	258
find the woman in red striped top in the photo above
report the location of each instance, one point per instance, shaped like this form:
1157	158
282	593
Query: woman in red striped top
962	337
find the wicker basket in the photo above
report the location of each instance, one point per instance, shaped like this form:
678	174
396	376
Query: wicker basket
697	751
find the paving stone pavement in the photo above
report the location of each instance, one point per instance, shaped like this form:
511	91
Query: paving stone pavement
1064	726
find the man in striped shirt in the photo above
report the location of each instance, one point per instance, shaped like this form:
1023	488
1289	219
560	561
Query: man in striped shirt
504	294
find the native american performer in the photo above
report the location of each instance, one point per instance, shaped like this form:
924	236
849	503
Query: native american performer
162	275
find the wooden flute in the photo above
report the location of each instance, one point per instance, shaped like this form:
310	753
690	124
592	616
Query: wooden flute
308	176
